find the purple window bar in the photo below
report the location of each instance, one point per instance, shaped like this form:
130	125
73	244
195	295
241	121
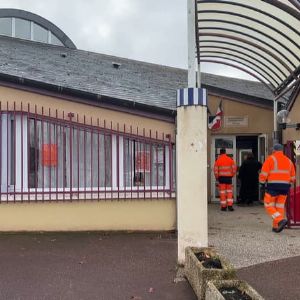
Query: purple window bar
52	156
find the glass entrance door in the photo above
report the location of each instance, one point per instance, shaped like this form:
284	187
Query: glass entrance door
219	142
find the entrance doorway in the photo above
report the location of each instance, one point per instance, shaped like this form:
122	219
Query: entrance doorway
237	147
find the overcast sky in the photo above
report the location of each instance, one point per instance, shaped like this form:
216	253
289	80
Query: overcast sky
147	30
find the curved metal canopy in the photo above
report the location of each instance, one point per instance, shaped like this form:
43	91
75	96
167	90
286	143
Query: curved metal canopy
259	37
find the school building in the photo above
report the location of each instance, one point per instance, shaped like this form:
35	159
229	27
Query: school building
87	140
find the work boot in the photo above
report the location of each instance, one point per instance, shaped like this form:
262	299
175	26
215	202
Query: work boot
230	208
281	225
223	208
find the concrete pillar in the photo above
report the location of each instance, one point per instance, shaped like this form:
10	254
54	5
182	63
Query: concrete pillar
191	147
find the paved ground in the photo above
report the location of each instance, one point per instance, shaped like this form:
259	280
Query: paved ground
270	262
277	280
90	266
245	237
143	266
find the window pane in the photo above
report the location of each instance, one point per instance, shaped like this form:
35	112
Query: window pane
23	29
5	26
12	151
91	159
128	162
144	164
46	156
40	34
158	165
55	40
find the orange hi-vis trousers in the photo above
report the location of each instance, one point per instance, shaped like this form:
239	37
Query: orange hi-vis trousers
226	194
274	206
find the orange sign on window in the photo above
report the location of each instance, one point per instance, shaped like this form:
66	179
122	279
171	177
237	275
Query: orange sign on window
142	161
49	155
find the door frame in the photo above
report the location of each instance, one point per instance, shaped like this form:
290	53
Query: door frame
265	136
214	199
259	156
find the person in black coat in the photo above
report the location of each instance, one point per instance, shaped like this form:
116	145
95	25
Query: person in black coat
248	175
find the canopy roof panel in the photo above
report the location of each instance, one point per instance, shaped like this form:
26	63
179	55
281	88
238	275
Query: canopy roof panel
260	37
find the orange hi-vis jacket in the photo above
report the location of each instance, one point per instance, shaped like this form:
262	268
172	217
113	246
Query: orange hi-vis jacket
277	171
224	166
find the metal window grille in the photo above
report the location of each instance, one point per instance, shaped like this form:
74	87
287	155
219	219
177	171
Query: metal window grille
58	157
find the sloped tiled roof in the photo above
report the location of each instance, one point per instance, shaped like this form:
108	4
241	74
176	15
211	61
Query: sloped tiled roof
128	80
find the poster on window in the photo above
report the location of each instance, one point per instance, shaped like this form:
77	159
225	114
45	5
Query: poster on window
142	161
49	155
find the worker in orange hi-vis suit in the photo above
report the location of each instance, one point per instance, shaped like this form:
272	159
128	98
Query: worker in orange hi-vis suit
224	170
278	172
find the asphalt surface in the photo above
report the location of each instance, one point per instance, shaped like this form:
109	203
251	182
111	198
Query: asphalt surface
121	266
277	280
90	266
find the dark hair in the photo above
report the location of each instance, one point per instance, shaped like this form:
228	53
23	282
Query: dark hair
250	156
222	151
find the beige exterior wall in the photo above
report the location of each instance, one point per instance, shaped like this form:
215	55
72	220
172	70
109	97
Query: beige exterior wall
291	134
111	215
260	120
104	215
11	95
138	215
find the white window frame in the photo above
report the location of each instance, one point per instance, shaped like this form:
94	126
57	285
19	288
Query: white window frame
141	188
20	152
21	164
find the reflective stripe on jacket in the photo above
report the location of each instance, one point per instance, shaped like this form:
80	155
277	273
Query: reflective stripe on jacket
224	166
277	169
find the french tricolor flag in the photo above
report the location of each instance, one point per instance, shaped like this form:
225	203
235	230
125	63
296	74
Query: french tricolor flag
191	96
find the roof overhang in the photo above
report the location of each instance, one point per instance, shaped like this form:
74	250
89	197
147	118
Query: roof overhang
259	37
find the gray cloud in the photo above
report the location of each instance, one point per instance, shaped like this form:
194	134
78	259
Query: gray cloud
148	30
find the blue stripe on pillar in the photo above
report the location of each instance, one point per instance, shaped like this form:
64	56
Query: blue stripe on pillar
181	97
200	95
191	96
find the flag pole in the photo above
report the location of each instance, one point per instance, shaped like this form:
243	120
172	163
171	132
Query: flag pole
191	43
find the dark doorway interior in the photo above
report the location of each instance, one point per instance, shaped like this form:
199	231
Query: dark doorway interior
244	146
